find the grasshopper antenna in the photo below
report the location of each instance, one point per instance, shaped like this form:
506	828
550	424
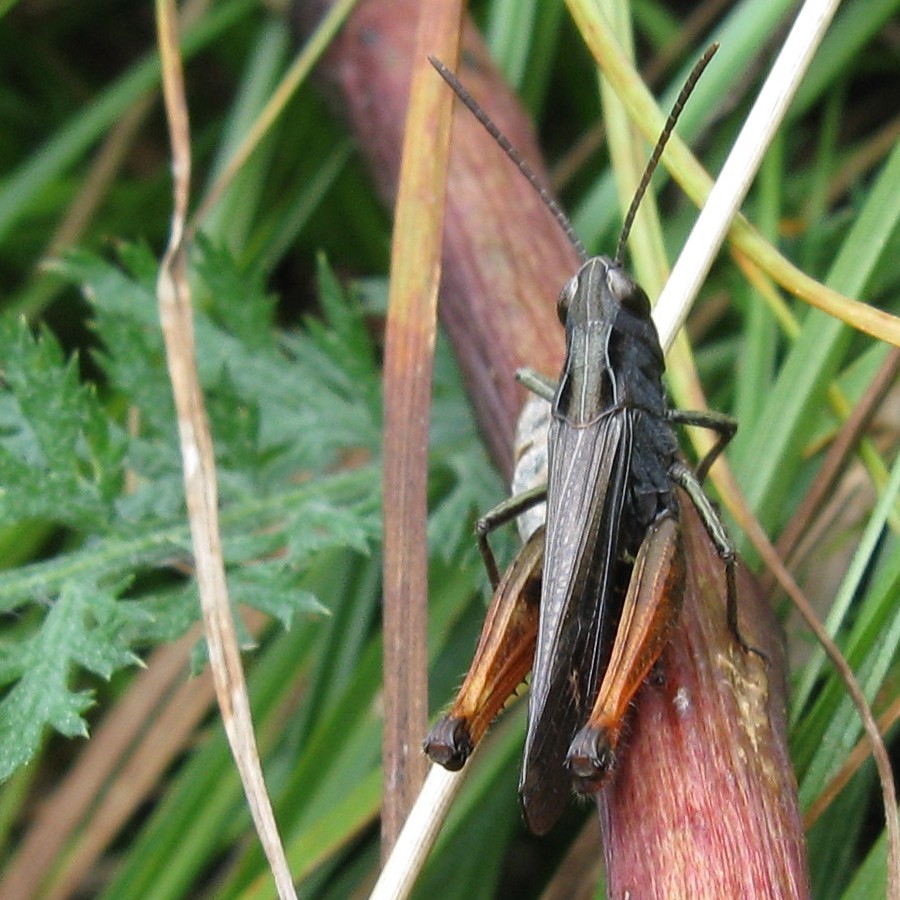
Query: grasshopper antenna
503	142
653	162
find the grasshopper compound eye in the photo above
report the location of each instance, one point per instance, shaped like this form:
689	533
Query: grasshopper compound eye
627	291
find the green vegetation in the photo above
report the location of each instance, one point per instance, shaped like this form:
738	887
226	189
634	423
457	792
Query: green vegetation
95	552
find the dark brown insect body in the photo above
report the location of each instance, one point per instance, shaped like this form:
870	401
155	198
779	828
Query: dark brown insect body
612	572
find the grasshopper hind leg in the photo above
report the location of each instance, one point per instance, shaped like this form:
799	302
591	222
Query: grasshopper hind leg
687	480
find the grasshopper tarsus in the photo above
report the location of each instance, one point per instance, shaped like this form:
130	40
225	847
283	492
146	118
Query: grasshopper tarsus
731	612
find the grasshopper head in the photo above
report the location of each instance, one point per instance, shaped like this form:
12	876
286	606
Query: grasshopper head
598	292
